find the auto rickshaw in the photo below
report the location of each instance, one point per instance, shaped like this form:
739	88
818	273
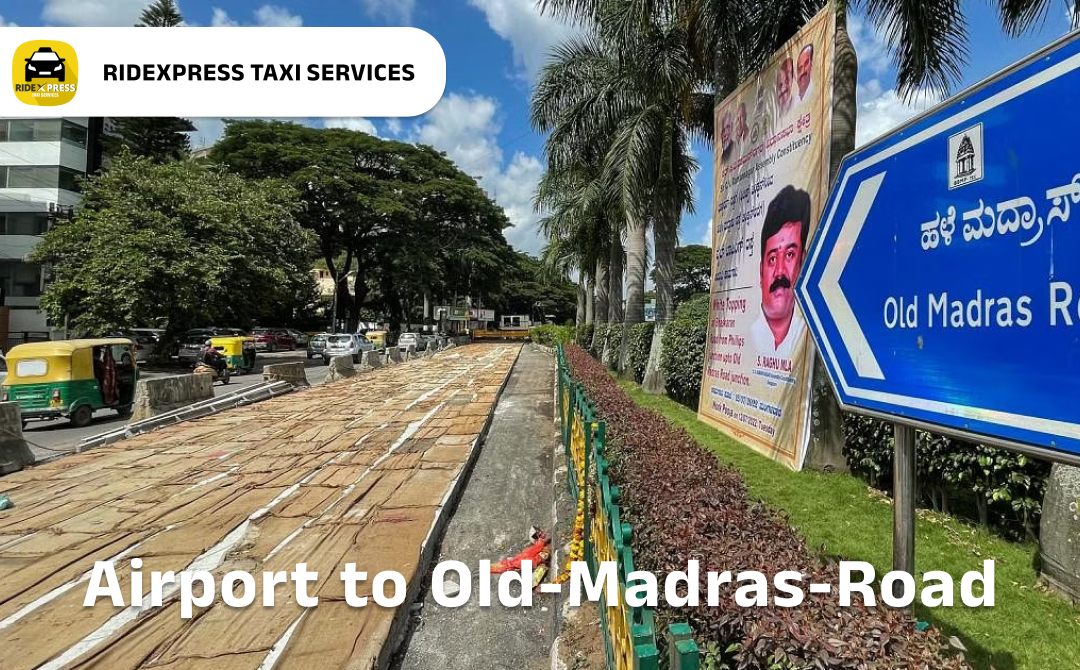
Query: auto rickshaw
377	337
71	378
239	352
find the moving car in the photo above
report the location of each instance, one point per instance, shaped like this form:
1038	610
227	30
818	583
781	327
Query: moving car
71	378
345	344
316	345
45	64
411	341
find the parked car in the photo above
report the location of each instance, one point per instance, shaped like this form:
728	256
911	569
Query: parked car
144	345
273	339
345	344
316	345
411	341
301	339
431	340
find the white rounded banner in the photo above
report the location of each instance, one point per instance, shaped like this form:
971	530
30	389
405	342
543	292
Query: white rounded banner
238	72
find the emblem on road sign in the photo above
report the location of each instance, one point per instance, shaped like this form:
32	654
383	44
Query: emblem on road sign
966	156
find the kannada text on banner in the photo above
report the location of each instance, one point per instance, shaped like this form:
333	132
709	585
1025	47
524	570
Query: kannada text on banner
771	180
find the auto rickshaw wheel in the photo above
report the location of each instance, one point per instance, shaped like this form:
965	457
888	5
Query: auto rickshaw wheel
225	376
82	416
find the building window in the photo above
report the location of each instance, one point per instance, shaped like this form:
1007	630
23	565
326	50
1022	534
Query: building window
42	130
20	280
39	176
69	179
24	223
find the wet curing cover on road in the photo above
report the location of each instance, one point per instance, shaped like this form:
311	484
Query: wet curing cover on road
351	472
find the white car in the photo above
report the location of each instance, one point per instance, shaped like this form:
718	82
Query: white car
411	341
345	344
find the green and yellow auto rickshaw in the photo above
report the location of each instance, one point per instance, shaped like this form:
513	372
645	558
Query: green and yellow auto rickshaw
239	352
71	378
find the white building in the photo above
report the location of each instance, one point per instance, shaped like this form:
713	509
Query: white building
40	162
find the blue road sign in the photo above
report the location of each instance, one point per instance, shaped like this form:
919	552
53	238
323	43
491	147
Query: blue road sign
942	285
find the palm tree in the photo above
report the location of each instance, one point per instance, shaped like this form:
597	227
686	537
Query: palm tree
578	225
640	91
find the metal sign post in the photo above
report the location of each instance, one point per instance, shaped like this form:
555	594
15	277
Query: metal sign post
941	286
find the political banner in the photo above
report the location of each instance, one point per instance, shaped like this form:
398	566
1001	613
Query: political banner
771	169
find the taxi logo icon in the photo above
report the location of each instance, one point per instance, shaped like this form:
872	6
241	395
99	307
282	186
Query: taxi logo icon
45	73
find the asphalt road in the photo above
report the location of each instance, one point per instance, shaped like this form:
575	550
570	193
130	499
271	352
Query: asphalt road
47	438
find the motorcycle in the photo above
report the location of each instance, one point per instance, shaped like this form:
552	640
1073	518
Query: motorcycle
202	368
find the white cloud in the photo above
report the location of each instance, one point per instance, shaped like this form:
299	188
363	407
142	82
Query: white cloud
353	123
104	13
530	33
393	126
395	11
221	19
869	45
883	110
467	129
706	237
267	16
7	24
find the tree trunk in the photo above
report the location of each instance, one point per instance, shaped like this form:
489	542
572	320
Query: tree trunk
665	239
635	280
590	300
427	308
615	299
601	307
826	448
579	317
615	279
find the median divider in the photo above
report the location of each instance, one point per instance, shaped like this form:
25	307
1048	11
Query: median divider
629	633
294	373
165	394
14	452
340	367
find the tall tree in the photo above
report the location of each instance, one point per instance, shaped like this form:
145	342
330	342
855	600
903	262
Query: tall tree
160	138
179	244
693	268
160	14
638	88
404	218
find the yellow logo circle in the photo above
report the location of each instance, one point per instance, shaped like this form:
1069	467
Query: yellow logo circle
45	73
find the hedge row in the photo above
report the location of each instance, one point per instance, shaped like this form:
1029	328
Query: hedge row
549	334
684	505
682	357
968	480
637	348
955	476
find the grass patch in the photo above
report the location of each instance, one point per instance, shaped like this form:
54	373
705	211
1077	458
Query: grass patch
1027	629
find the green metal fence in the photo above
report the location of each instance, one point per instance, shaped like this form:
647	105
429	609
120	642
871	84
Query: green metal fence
629	632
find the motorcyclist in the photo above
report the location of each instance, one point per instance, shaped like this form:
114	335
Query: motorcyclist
212	358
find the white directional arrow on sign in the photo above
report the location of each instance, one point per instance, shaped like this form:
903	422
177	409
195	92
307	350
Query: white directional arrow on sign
858	348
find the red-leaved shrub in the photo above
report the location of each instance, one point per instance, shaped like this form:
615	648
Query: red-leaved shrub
684	505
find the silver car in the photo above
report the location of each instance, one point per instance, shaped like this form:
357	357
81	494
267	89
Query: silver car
345	345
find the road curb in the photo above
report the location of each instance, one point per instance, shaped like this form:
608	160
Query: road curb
401	626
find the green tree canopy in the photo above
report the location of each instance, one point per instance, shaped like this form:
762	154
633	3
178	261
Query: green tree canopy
178	244
403	217
529	289
693	266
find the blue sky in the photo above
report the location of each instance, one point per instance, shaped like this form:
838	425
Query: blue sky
494	51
